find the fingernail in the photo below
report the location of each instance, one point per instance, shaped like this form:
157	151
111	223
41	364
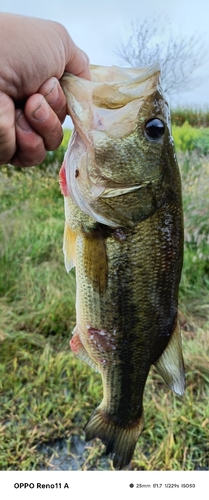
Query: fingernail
23	123
42	112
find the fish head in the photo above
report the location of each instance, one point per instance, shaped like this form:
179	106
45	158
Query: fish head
121	150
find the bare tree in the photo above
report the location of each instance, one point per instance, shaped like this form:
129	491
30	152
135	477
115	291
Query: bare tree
180	57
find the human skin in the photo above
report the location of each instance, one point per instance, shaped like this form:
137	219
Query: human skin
34	55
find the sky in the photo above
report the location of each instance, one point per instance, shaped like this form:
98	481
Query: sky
98	27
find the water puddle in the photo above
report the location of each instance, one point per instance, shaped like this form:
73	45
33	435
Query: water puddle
71	455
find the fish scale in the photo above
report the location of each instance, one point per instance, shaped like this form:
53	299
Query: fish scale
124	234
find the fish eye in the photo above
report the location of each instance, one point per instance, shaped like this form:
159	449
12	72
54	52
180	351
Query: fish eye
154	128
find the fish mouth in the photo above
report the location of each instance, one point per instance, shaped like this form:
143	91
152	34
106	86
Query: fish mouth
111	89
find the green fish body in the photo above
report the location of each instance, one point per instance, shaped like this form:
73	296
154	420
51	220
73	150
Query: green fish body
124	234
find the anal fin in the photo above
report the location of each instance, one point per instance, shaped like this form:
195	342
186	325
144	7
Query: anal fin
170	365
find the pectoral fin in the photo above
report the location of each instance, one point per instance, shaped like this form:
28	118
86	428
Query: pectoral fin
112	192
69	242
80	351
170	365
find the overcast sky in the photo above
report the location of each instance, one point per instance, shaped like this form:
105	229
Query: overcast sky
99	26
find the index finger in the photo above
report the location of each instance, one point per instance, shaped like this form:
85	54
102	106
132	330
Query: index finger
7	128
54	95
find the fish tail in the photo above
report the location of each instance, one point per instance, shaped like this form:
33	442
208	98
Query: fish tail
120	441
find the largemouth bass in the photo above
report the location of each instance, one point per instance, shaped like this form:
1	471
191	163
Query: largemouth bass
124	233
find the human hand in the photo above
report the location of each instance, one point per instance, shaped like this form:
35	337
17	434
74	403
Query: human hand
34	55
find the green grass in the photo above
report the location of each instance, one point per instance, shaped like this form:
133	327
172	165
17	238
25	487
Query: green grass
196	117
45	393
195	278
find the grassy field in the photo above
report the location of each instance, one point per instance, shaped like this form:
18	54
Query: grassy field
47	395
